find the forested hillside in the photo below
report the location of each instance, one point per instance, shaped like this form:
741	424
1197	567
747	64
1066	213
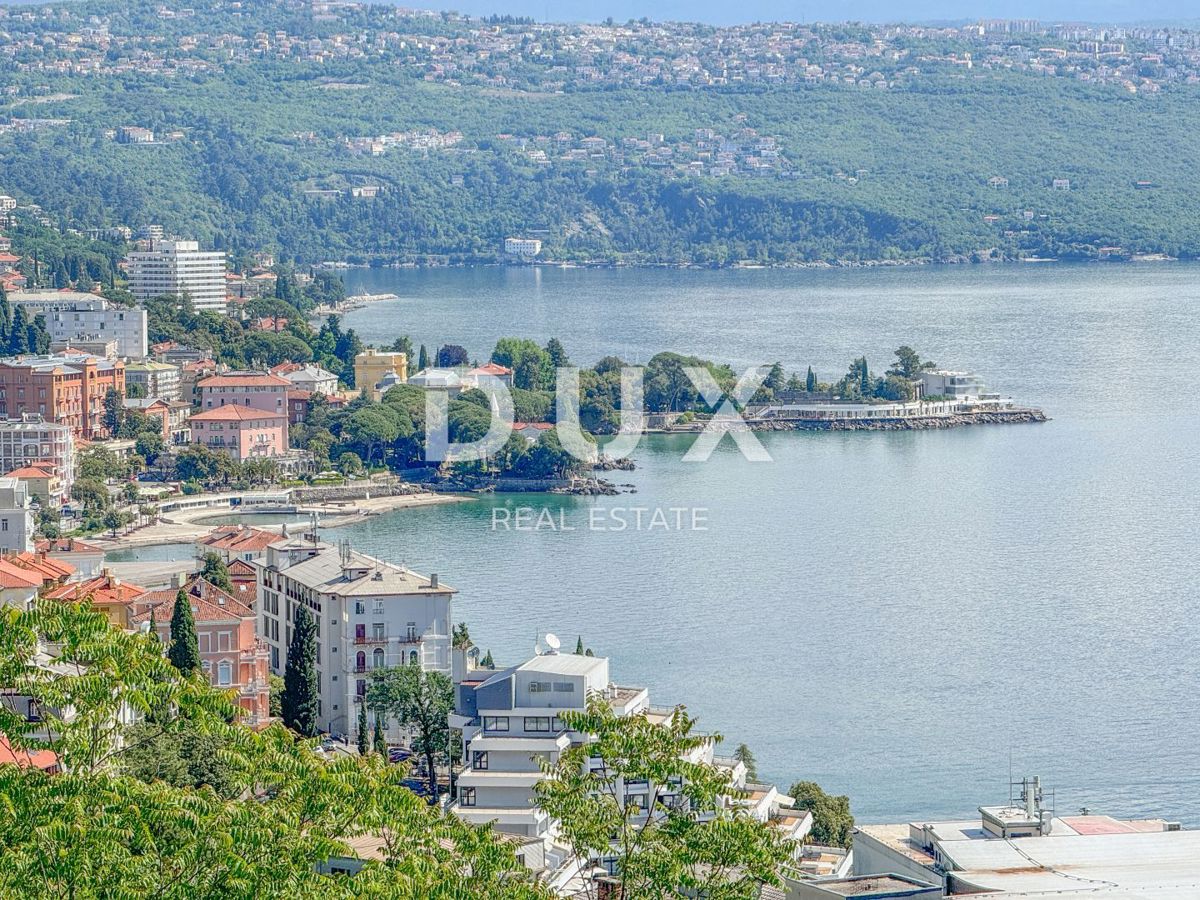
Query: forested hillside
862	175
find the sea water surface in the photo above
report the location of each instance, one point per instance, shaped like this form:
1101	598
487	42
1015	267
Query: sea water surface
894	615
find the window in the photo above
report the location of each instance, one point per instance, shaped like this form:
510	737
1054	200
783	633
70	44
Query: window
377	658
224	672
479	760
539	687
566	687
466	796
360	608
537	723
377	632
360	687
412	631
495	723
360	661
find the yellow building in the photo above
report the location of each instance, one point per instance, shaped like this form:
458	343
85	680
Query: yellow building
372	365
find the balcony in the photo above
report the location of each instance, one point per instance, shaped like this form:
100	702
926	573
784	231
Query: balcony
370	639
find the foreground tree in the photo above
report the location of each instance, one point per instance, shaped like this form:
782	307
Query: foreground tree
185	650
684	842
422	701
100	832
832	822
300	686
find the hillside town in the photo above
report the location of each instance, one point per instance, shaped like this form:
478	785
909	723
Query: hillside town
518	54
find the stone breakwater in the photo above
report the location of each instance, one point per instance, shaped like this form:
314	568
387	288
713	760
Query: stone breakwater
914	423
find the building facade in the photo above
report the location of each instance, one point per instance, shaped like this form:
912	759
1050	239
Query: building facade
176	268
67	389
31	439
242	432
371	366
256	390
156	379
16	516
369	614
89	319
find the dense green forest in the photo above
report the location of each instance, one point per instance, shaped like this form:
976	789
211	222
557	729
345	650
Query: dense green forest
874	175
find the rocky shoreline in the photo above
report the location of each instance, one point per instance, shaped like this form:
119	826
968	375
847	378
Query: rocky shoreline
914	423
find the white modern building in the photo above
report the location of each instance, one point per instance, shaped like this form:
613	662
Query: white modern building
175	268
73	318
370	614
16	517
156	379
526	248
31	439
1024	849
955	385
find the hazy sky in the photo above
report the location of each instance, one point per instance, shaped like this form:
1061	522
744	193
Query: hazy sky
725	12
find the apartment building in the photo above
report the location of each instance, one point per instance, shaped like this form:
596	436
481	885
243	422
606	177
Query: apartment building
372	366
31	439
231	653
311	378
77	318
66	389
257	390
178	268
155	379
16	516
369	614
241	431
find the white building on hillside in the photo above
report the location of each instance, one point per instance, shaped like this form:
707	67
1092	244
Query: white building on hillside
31	439
73	318
175	268
16	517
369	614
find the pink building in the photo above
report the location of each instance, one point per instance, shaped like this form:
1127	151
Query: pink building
256	390
232	655
242	432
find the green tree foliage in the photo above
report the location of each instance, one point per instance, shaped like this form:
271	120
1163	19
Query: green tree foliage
451	355
909	364
686	842
379	741
184	651
832	822
216	573
364	733
810	381
743	755
420	700
300	687
219	810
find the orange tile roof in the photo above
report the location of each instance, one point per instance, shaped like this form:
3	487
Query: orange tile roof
27	759
65	545
231	412
9	258
249	379
239	538
12	576
104	590
491	369
209	604
33	471
40	564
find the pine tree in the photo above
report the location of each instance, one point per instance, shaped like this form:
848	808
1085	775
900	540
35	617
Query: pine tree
364	736
579	646
380	742
487	662
743	755
300	676
185	649
810	383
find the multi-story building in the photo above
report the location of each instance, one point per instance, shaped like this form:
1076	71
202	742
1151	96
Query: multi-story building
31	439
308	378
231	653
241	431
526	248
42	482
955	385
369	614
190	376
67	389
256	390
372	366
178	268
74	318
16	516
233	542
118	600
155	379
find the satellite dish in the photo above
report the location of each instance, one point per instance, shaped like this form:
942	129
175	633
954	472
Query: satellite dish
553	642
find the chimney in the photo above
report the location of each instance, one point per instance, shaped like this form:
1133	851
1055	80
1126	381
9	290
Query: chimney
433	581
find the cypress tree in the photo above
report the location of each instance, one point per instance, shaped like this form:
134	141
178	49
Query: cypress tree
363	735
423	361
579	646
300	676
185	649
380	743
866	378
153	628
810	383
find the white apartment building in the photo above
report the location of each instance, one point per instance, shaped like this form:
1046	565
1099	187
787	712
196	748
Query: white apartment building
527	248
16	517
370	614
313	378
156	379
176	268
31	439
77	318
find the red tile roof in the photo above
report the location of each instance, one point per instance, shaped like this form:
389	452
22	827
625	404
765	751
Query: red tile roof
249	379
103	590
46	760
491	369
13	576
230	413
36	470
209	604
9	258
50	570
239	538
65	545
